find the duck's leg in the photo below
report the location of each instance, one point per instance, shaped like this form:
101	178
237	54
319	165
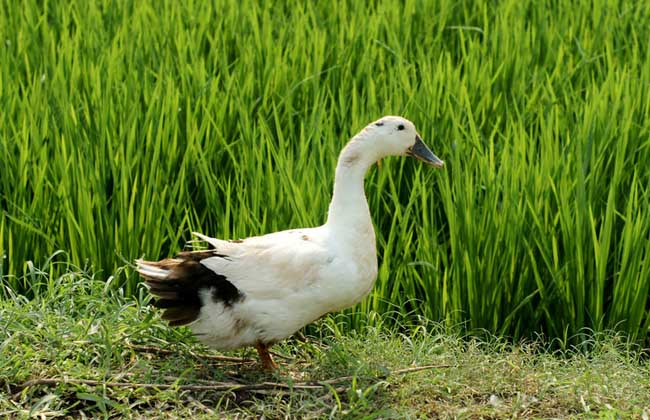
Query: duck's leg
265	356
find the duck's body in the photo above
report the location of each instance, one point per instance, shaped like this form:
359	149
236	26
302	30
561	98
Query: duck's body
262	289
300	275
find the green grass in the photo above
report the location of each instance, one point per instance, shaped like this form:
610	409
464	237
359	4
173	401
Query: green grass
127	124
84	329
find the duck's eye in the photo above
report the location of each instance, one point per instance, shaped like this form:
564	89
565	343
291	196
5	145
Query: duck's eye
379	124
400	127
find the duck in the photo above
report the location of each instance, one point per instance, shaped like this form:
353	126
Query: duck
260	290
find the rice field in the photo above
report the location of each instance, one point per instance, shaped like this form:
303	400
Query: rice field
125	125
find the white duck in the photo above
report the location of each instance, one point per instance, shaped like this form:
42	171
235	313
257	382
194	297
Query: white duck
260	290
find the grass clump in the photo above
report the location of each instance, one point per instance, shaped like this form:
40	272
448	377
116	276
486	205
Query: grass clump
106	355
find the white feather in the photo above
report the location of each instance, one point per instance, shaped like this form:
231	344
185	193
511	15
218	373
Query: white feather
217	243
150	271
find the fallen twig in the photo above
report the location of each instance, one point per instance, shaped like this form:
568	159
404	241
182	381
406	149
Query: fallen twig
418	369
281	356
216	386
395	372
174	379
166	352
223	386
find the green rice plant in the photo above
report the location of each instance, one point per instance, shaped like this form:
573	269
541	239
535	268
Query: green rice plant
126	125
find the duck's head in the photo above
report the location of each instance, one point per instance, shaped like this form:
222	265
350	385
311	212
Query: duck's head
397	136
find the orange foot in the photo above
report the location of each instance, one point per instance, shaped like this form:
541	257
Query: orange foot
265	357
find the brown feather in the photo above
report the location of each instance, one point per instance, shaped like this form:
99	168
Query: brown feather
179	293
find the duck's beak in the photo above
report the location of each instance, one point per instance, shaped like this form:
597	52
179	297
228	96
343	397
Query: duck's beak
420	151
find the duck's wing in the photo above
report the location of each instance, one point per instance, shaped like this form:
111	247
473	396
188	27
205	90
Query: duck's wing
274	265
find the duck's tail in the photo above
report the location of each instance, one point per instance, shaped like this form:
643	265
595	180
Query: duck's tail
178	284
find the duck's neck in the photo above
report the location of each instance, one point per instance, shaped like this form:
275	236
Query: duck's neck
349	208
